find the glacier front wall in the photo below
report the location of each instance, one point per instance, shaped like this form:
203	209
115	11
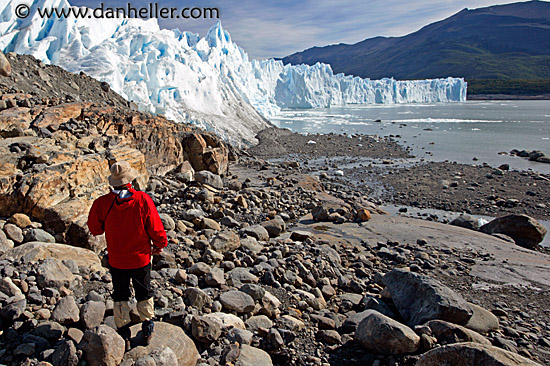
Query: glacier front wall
208	81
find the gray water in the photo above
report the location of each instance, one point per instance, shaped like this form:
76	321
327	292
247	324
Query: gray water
457	132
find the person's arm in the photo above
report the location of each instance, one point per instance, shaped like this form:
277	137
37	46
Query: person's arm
154	226
95	223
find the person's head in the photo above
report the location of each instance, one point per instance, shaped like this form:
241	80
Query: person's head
122	174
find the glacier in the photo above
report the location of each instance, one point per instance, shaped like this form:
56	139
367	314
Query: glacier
208	81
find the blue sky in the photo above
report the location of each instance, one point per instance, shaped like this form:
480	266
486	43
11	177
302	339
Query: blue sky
277	28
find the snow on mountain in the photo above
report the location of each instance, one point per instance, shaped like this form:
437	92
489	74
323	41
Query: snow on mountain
208	81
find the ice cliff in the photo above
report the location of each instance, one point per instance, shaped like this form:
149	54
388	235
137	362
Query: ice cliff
208	81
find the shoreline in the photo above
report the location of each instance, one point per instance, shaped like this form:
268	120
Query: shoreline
507	97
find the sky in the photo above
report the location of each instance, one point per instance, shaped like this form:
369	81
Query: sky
278	28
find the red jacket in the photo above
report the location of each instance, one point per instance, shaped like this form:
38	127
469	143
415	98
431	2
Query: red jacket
130	227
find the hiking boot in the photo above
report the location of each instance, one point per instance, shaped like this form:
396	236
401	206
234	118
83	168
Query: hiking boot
147	328
124	332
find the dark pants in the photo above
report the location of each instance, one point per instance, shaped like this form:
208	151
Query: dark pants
141	279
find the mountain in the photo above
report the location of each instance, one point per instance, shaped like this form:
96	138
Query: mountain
207	81
498	42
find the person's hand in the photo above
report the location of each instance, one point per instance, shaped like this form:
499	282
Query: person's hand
156	250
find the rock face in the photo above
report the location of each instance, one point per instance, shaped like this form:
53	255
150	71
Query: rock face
526	231
165	335
380	334
102	346
472	354
420	299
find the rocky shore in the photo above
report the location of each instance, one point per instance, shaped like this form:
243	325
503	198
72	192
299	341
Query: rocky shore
285	261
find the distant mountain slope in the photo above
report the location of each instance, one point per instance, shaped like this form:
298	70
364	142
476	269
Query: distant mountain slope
498	42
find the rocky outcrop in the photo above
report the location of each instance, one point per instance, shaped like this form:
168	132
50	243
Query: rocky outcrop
526	231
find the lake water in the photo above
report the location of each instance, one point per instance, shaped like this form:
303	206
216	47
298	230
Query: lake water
456	132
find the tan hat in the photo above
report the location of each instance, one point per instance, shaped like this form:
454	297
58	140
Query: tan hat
122	173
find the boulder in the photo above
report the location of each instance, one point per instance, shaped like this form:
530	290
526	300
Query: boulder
65	354
20	220
275	226
209	178
5	67
196	297
482	320
381	334
102	346
34	251
39	235
53	273
251	356
526	231
257	231
465	221
206	151
300	235
165	336
237	301
472	354
205	330
226	320
225	241
66	311
419	299
92	313
447	333
167	222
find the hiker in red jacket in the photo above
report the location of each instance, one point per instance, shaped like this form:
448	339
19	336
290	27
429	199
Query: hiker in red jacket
134	232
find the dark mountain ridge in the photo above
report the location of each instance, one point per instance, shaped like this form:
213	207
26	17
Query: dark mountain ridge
498	42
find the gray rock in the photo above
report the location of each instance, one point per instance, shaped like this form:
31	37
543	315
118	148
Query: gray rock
239	276
199	269
373	303
39	235
165	336
251	356
472	354
237	301
65	354
9	288
14	233
526	231
14	310
420	299
225	241
447	333
164	357
320	213
53	273
251	245
275	227
193	215
257	292
205	330
5	243
380	334
66	311
196	297
215	277
329	337
229	222
92	313
465	221
52	331
256	231
242	336
260	321
102	346
300	235
167	221
482	320
209	178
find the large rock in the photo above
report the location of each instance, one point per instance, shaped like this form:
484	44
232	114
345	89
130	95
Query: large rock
206	151
237	301
5	67
472	354
251	356
34	251
257	231
275	226
526	231
380	334
482	320
419	299
225	241
102	346
92	313
226	321
164	336
209	178
53	273
465	221
447	333
66	311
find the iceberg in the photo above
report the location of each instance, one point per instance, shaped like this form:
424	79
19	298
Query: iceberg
208	81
